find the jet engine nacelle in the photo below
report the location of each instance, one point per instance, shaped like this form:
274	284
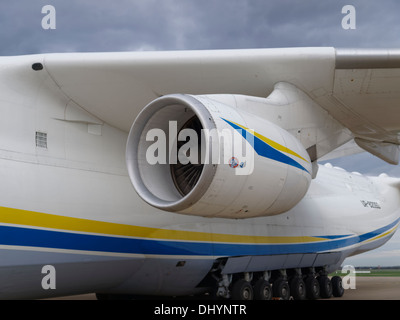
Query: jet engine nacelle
197	156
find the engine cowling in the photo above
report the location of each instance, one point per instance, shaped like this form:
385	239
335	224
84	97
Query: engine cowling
195	155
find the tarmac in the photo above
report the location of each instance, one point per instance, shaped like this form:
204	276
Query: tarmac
366	288
373	288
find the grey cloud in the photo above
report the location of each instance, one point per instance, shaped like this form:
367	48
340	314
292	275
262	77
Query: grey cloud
191	24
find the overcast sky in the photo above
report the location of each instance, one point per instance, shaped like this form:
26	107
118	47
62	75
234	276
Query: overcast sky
96	25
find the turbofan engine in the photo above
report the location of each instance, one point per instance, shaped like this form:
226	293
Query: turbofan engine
198	156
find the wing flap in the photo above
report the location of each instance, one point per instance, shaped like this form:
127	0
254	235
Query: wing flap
388	152
365	98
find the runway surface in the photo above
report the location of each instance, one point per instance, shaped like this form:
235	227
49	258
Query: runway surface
367	288
374	288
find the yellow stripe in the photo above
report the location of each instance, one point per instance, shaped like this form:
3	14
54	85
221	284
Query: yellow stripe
44	220
273	144
383	234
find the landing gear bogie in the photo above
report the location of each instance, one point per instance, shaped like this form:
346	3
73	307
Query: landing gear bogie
283	284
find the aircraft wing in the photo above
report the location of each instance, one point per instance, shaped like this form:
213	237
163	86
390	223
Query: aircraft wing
366	99
347	149
358	88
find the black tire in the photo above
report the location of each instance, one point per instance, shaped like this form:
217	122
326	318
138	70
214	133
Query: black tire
312	288
337	286
325	287
298	288
281	289
262	290
242	290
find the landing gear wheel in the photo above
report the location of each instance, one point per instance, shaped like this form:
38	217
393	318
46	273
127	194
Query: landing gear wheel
281	289
262	290
312	288
337	287
242	290
297	288
325	286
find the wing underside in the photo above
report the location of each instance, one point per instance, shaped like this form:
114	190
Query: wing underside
359	88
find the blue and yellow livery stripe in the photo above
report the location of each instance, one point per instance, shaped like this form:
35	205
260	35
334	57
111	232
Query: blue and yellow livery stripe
40	230
268	148
49	221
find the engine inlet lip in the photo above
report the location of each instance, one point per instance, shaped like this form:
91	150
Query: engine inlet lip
132	152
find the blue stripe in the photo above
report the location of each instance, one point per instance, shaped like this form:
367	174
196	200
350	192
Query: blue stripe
17	236
263	149
337	237
65	240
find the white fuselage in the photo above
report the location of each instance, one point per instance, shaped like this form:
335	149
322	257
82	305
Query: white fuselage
70	204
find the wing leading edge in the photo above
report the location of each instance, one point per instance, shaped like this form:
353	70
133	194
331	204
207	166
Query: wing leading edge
359	88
